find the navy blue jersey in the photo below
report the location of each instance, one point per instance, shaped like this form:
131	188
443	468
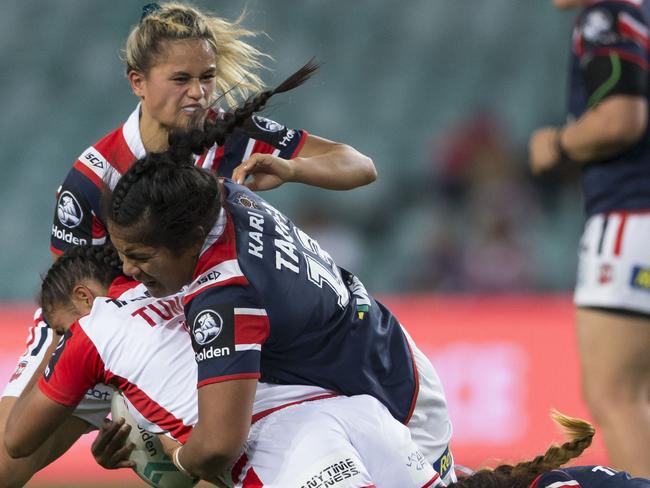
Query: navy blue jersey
609	56
588	477
268	302
78	219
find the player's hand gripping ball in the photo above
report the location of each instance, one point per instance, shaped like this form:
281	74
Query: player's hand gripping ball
152	464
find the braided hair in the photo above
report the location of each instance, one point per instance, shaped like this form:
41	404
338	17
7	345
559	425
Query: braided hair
521	475
99	263
163	198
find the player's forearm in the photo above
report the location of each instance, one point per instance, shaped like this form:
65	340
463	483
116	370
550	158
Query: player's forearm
203	459
340	168
606	130
33	418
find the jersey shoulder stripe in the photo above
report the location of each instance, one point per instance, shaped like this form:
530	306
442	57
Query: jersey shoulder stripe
217	264
251	328
634	30
62	380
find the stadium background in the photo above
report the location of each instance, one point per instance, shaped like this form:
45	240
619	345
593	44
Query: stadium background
475	256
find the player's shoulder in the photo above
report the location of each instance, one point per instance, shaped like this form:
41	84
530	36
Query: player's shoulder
115	311
115	152
635	7
606	21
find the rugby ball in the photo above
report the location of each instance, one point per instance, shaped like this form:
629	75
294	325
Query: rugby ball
152	464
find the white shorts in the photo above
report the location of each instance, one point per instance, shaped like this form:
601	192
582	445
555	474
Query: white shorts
346	442
614	262
430	425
95	406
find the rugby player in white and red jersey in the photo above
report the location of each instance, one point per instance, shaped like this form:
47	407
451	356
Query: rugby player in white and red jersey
301	435
179	61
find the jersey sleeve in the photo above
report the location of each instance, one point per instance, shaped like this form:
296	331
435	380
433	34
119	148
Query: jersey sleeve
39	338
77	218
228	327
74	368
612	43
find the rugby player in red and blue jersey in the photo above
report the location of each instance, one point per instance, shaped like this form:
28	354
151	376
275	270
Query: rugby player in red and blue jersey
608	137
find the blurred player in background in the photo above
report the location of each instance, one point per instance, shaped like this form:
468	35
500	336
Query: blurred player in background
607	135
264	300
545	471
140	344
179	62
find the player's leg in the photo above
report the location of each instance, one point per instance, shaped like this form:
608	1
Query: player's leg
615	359
614	275
301	445
384	444
430	425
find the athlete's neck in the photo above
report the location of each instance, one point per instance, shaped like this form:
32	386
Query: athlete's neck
154	135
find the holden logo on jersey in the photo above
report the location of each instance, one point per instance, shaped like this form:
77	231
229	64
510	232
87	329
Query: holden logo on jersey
68	210
267	125
207	327
597	27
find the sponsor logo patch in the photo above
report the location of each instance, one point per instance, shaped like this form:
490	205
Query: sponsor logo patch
597	27
68	210
267	125
245	201
605	274
67	236
640	278
333	474
207	327
19	371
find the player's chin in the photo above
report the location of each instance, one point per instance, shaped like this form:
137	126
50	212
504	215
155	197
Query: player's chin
156	289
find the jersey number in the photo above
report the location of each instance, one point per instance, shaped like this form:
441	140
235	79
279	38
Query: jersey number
322	269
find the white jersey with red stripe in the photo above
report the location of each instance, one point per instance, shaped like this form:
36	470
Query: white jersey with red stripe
78	218
131	342
141	345
95	405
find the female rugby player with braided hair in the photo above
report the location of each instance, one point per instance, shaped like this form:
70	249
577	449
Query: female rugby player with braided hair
607	136
181	63
140	344
264	301
546	471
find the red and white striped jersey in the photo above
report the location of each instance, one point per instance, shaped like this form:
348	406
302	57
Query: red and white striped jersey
141	345
78	219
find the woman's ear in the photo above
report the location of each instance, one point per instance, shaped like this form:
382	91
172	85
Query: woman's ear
137	82
83	297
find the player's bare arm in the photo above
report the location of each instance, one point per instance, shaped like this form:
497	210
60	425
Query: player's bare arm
319	162
225	412
16	472
607	129
33	418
